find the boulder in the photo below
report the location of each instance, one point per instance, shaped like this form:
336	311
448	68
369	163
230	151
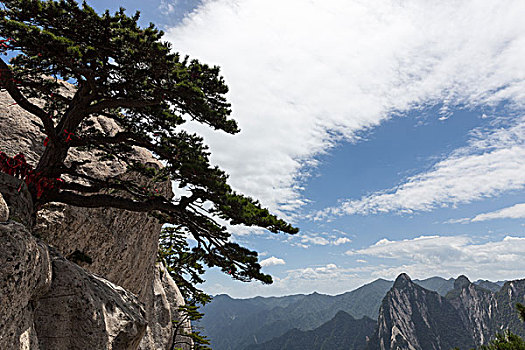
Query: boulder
50	303
84	311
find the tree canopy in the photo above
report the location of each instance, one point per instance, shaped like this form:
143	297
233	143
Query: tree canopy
128	74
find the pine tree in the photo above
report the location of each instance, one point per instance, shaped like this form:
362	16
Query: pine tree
128	74
521	311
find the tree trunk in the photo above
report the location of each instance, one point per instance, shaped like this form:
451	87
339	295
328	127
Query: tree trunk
18	199
51	162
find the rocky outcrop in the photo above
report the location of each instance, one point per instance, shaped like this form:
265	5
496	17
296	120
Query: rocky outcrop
25	276
4	210
118	245
511	293
162	309
50	303
485	312
175	300
122	245
117	319
17	198
414	318
476	307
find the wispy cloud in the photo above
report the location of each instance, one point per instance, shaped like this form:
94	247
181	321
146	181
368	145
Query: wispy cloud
305	75
315	240
493	162
323	239
428	256
272	261
421	257
342	240
167	7
516	211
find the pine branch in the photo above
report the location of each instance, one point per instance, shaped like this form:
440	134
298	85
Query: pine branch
8	82
120	103
106	201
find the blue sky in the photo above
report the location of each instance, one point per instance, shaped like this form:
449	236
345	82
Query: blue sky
392	133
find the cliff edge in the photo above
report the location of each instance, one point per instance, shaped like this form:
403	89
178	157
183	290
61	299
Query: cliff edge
115	297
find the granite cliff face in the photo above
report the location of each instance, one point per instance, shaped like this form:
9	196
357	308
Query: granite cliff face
414	318
118	286
48	302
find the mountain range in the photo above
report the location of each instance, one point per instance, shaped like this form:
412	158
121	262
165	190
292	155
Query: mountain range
434	313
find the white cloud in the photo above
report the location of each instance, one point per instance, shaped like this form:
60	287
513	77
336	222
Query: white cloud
428	256
515	212
493	162
318	240
315	240
304	75
457	221
167	7
342	240
272	261
421	257
323	273
328	278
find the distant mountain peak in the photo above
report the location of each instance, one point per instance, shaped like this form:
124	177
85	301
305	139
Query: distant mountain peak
402	281
461	282
343	315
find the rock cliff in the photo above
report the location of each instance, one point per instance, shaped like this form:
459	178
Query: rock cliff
109	265
414	318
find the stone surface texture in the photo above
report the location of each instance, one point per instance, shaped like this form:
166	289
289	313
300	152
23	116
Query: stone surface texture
4	209
162	308
50	303
118	245
25	276
175	300
116	319
18	200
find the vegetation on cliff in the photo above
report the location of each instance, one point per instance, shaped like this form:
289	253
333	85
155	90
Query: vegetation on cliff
129	75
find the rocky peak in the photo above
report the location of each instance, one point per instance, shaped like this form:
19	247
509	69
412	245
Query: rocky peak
414	318
461	282
402	281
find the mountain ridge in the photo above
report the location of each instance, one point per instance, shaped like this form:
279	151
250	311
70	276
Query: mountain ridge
234	324
243	324
413	318
342	330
